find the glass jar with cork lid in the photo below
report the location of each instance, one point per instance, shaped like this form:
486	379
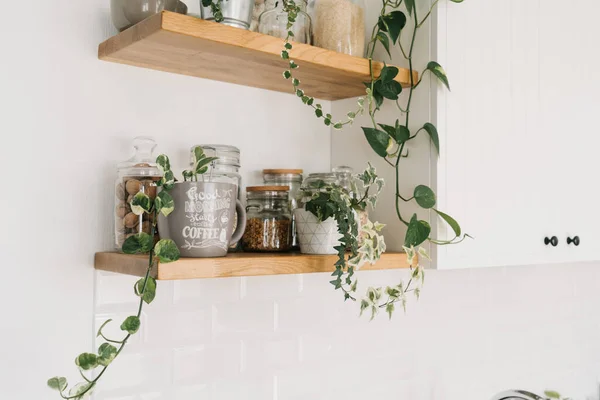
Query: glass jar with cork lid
138	174
291	178
269	220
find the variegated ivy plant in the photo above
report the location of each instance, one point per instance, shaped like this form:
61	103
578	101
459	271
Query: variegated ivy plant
165	251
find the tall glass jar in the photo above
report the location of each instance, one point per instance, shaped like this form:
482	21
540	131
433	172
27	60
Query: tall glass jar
269	220
274	21
138	174
226	168
291	178
339	25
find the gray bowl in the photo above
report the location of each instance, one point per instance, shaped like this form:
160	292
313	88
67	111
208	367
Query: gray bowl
126	13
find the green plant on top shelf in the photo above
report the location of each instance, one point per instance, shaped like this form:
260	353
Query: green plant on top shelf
145	288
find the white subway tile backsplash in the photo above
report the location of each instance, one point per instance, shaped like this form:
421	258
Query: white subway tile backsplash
473	333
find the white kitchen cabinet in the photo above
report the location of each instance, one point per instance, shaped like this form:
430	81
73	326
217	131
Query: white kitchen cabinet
518	160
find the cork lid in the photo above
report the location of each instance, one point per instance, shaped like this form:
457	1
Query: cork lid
282	171
267	189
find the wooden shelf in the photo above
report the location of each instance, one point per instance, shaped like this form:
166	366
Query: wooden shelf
235	264
190	46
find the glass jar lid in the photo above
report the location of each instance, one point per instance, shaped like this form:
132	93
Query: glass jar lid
282	175
226	155
319	180
143	162
256	192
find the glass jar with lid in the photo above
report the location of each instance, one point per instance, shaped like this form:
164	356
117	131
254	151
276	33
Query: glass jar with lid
138	174
274	21
315	183
339	25
225	169
269	220
291	178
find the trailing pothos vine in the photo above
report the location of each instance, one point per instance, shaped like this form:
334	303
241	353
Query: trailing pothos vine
387	140
165	251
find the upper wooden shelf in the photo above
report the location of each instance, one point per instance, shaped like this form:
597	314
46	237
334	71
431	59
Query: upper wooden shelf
235	264
190	46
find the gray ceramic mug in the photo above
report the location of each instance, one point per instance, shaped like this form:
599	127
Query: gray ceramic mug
203	220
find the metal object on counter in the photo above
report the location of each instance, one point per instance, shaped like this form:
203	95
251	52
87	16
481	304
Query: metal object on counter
236	13
126	13
291	178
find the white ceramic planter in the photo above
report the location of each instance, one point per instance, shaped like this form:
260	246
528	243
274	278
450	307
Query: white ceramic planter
314	236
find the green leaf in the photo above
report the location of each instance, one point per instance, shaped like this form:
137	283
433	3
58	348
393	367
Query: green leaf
163	163
150	292
418	232
86	361
424	196
385	41
457	1
450	221
318	113
389	90
433	134
285	55
410	5
287	74
102	327
202	164
164	203
399	133
439	72
58	383
131	324
168	181
139	243
389	308
393	23
378	140
388	73
106	353
140	203
166	250
548	393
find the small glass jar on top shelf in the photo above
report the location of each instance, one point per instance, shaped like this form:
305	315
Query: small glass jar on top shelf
339	25
274	21
293	179
138	174
269	220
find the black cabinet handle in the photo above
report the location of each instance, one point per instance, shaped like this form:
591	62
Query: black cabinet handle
553	241
575	240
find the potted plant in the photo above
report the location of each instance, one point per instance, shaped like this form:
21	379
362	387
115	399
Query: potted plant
202	224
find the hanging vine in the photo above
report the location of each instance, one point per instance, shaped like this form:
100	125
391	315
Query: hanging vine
388	141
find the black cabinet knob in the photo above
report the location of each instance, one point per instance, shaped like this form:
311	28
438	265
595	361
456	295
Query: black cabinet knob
574	241
553	241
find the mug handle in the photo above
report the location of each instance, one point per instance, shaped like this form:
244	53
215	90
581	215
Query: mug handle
241	222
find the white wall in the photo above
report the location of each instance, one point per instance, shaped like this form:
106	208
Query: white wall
68	119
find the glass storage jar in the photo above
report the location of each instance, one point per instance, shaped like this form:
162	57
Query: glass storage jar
350	182
269	220
339	25
226	169
274	21
138	174
291	178
314	183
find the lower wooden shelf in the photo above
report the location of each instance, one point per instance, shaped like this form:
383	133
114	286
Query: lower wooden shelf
235	264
